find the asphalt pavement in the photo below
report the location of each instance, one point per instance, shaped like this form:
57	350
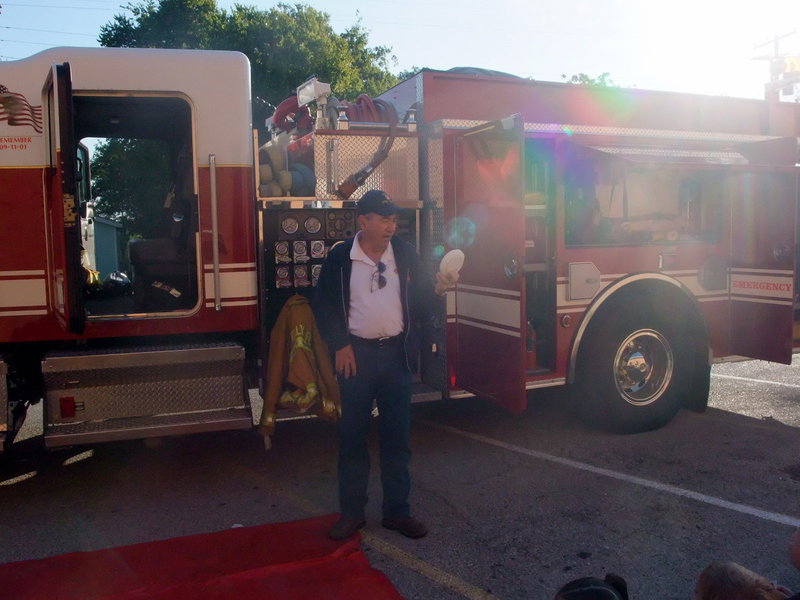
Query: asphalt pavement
516	505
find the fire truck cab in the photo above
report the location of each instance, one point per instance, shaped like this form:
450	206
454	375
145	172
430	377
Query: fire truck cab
617	241
132	324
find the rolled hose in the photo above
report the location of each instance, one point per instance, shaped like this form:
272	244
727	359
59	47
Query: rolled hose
389	115
288	115
363	110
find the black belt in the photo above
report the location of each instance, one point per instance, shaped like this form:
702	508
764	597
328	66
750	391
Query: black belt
381	341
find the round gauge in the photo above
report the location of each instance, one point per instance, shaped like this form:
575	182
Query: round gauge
317	248
312	225
290	225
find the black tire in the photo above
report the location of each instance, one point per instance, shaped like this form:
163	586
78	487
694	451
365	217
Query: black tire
634	372
697	399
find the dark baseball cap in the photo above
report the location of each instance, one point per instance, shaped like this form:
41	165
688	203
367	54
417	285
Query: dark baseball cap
378	202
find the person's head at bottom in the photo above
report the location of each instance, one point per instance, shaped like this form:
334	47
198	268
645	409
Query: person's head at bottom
612	587
731	581
794	549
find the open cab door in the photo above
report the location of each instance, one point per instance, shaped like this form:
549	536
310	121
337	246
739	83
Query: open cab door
763	251
489	227
66	280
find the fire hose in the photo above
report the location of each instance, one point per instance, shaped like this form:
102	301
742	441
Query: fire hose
289	115
365	109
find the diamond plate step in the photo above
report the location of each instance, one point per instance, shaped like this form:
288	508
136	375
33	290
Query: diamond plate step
109	430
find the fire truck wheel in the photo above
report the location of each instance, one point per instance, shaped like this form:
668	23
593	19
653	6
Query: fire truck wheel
634	372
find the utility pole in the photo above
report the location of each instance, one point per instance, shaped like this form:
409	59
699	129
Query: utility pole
779	79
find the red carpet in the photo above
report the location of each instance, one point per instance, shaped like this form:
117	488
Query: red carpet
286	561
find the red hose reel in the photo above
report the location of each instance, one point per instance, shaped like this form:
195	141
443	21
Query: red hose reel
289	116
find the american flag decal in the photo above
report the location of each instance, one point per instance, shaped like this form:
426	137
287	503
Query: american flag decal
16	109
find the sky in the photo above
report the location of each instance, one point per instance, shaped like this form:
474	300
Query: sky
698	46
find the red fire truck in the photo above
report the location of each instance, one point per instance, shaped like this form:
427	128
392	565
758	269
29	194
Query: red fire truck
618	241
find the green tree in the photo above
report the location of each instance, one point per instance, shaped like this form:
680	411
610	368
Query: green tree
602	80
170	24
131	179
285	44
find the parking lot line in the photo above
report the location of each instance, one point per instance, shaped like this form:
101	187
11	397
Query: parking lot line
640	481
751	380
438	576
424	568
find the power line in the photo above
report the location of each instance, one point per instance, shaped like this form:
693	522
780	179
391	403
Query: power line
114	2
60	6
26	42
46	31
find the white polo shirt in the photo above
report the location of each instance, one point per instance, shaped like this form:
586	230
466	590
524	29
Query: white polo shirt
374	312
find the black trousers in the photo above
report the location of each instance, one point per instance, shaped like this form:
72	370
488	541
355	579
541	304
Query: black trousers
383	376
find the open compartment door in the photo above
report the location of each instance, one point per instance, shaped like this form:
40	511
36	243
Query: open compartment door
66	273
762	264
489	227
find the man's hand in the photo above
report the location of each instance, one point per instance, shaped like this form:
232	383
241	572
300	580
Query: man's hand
346	362
445	281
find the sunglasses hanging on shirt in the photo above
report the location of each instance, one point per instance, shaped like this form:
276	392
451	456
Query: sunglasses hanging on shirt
378	277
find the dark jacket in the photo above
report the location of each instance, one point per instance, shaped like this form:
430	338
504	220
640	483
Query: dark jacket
332	299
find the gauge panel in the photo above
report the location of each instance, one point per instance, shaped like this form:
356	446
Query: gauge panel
289	225
312	225
296	242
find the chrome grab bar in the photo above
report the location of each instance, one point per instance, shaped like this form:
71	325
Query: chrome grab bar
212	163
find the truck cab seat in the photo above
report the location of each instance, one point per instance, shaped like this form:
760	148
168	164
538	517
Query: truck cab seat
163	274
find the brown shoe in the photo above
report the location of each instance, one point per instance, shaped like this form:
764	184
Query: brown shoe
408	526
345	527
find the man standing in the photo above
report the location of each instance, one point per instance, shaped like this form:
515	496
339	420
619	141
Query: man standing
371	295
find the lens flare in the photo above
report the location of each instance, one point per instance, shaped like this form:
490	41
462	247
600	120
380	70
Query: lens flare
477	214
461	233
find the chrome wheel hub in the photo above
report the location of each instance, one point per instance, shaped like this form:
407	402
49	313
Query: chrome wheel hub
643	367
